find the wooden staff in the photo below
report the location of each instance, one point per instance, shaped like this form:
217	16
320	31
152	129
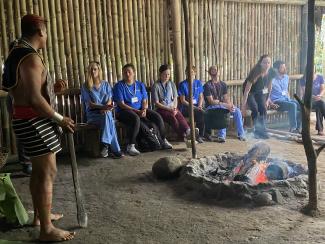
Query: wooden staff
189	74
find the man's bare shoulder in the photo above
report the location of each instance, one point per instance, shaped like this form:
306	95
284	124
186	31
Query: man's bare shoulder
32	62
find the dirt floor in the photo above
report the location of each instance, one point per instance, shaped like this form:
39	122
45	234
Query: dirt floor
126	204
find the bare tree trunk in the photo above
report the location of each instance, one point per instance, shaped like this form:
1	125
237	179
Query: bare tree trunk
311	153
189	73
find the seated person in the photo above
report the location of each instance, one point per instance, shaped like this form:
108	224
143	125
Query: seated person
216	97
318	102
132	109
279	96
183	93
164	97
96	94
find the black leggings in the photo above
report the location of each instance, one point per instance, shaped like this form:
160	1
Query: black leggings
134	123
319	106
257	104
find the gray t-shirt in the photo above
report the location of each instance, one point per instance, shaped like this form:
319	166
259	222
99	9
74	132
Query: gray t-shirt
164	93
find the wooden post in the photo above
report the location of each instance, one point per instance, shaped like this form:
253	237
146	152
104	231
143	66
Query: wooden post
304	38
311	153
177	42
189	74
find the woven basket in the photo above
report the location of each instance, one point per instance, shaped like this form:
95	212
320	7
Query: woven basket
3	156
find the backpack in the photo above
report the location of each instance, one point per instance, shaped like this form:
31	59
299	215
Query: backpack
149	138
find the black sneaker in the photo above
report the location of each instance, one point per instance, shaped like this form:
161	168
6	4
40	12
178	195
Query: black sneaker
115	155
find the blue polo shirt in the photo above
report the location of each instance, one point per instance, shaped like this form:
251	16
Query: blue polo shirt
131	95
197	90
280	86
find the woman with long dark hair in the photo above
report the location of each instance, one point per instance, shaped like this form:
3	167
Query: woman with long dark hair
256	94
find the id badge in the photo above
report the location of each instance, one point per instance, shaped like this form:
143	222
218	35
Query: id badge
284	93
194	101
134	99
265	91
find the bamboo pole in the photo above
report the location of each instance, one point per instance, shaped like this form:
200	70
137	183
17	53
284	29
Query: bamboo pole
189	74
89	31
54	37
94	32
132	33
159	41
176	28
10	17
126	31
196	31
155	44
3	29
141	38
117	39
121	31
84	41
111	42
145	40
106	43
78	37
201	65
101	38
149	43
23	10
35	7
49	40
29	6
67	46
17	18
60	40
136	26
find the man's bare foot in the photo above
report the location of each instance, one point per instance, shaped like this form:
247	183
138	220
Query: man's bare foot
56	234
54	217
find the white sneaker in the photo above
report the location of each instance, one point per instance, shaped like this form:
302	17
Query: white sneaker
166	144
131	150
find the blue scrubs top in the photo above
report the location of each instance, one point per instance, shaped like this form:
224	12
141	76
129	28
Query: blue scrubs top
105	121
197	90
131	95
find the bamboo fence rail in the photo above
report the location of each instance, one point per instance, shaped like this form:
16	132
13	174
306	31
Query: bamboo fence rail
116	32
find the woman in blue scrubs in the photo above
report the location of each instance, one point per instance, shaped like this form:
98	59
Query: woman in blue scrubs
132	109
96	95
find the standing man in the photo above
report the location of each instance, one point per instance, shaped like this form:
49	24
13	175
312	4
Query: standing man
35	121
280	96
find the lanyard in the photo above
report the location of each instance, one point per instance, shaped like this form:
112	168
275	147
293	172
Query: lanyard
135	89
165	90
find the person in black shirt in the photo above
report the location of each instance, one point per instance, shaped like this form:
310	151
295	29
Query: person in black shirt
256	94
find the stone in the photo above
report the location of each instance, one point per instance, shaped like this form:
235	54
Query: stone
277	196
167	167
263	199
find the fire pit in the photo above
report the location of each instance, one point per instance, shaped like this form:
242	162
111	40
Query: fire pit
252	177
